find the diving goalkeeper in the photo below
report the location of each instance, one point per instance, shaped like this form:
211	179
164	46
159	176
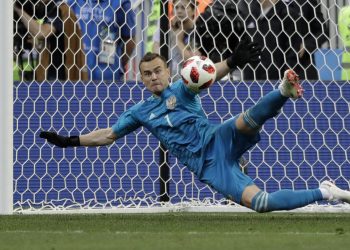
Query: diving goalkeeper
174	115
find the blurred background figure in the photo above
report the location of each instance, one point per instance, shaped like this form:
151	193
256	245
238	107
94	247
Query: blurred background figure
344	31
25	51
276	26
153	24
314	36
108	30
181	35
52	40
218	30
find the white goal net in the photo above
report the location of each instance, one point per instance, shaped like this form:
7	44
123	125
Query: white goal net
75	70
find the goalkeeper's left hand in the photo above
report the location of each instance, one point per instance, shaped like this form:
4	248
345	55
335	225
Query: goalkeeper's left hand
59	140
246	52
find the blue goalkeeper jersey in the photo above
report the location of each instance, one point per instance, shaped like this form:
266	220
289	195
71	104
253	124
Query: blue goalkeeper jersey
177	119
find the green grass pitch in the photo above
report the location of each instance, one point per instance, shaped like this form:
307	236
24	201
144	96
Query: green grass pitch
214	231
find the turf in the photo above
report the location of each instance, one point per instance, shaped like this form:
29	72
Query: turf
182	231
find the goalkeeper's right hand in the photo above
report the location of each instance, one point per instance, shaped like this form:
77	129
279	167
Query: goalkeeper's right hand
246	52
59	140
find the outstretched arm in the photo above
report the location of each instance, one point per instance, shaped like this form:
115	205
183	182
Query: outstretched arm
98	137
222	69
35	29
246	52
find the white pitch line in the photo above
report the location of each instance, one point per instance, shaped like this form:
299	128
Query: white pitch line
168	233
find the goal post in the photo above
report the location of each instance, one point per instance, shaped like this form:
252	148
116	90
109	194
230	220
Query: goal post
6	108
307	143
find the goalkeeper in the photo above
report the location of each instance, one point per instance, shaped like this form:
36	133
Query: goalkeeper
174	115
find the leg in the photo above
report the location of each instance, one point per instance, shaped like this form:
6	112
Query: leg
260	201
269	106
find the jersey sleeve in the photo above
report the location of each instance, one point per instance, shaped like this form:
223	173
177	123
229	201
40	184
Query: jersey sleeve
126	123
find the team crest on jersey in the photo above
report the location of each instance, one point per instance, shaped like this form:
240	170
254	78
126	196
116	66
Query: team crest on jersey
171	102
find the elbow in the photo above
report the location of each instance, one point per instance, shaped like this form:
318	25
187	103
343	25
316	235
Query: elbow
45	31
107	140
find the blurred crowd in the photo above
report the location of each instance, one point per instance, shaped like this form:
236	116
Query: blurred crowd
72	39
95	39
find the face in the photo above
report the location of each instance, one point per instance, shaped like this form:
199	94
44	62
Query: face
183	10
155	75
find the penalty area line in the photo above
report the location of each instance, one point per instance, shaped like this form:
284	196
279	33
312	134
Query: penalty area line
168	233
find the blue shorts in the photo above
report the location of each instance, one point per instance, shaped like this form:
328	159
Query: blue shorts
221	168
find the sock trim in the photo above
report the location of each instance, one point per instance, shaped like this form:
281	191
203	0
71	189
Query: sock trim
257	199
247	118
260	201
263	202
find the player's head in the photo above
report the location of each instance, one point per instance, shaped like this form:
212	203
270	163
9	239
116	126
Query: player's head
154	72
185	10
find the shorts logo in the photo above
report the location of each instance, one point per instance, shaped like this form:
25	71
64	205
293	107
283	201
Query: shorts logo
171	102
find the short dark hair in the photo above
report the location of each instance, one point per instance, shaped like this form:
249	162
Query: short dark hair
149	56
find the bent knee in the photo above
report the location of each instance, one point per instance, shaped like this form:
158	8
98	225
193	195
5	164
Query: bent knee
248	195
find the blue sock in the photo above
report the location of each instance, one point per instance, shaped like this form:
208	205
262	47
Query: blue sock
267	107
284	199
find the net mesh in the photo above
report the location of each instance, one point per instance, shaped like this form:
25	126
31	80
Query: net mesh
75	70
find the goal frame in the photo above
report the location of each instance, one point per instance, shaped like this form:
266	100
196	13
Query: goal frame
7	127
6	110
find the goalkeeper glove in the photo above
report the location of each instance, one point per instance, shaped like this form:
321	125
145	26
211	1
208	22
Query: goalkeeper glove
246	52
59	140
